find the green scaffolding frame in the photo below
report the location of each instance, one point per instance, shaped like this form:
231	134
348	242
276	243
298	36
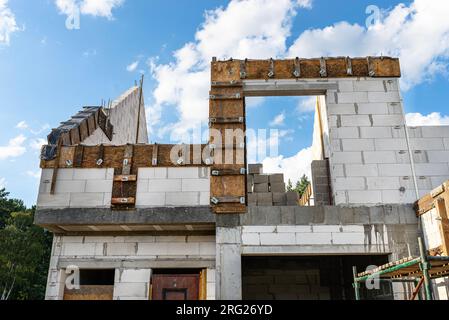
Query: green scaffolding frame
420	270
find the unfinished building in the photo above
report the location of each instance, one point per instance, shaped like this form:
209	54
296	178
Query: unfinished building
143	221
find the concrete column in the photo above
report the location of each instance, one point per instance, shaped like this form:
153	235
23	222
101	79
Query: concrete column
229	263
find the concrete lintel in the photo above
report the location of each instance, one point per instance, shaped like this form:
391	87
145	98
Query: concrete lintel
258	88
313	250
187	263
147	216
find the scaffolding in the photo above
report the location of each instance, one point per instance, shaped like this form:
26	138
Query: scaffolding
419	270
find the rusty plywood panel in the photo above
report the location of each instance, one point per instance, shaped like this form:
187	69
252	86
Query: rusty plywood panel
90	293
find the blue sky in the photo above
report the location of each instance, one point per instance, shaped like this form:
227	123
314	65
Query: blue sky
47	72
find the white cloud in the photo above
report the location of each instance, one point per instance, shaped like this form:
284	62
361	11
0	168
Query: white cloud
278	120
8	24
132	67
232	31
22	125
432	119
418	34
34	174
96	8
2	183
306	104
293	168
36	144
14	148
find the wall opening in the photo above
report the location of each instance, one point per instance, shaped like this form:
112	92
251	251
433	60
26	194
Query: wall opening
288	136
308	278
95	284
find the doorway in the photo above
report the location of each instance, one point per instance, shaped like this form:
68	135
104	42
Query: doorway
178	284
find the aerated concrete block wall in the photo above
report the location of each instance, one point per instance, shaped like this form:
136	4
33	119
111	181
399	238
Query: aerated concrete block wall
164	187
369	158
76	188
133	258
123	116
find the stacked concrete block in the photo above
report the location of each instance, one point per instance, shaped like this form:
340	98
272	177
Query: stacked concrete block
268	189
320	182
159	187
76	188
132	284
367	147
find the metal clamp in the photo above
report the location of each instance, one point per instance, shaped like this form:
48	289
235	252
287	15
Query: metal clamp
348	66
371	71
271	71
323	67
243	73
297	68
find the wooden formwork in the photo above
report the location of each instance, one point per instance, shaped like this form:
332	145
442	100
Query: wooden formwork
437	202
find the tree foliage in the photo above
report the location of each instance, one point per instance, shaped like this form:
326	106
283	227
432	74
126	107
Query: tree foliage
24	252
300	186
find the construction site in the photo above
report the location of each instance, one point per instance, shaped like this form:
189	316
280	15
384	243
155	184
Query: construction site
139	221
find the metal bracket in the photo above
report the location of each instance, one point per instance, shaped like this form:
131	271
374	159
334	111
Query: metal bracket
154	161
243	73
323	67
371	71
223	200
228	172
271	71
297	68
348	66
236	96
227	120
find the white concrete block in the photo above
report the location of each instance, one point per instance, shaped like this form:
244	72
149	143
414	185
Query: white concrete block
89	174
273	239
353	97
53	201
294	229
153	249
79	249
258	229
154	199
346	157
335	145
143	185
171	239
344	133
63	174
201	239
86	200
196	185
207	248
349	184
345	85
376	132
152	173
387	120
353	228
135	276
382	183
314	238
204	198
107	199
432	169
110	174
390	144
99	185
326	229
358	144
392	84
338	170
384	96
394	108
355	121
183	249
340	197
341	108
379	157
427	144
331	97
183	173
362	170
182	198
373	86
438	181
365	197
394	170
121	249
396	196
351	238
438	156
130	290
435	131
372	108
68	186
167	185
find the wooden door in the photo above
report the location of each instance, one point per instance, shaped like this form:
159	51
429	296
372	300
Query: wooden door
175	287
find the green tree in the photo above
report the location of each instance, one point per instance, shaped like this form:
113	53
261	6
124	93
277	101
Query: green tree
24	253
290	186
301	185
